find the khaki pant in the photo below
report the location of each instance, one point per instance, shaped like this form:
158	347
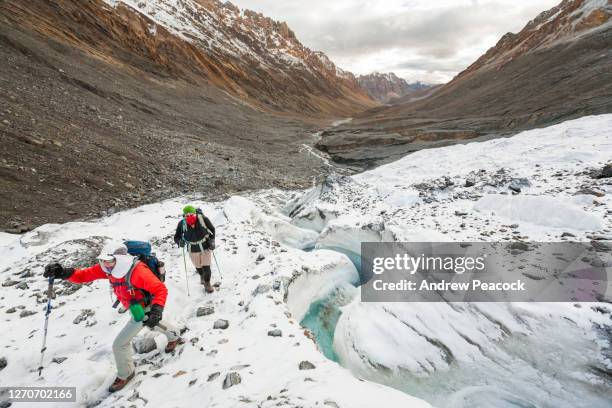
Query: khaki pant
122	346
200	259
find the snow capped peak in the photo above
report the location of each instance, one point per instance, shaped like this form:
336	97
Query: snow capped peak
571	18
243	51
565	22
222	27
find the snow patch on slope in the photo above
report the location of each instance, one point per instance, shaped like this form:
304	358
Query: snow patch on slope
553	212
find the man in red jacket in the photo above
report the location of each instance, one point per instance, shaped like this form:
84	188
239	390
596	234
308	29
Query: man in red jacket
144	292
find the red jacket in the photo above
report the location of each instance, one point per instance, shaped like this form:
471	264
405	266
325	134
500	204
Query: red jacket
142	278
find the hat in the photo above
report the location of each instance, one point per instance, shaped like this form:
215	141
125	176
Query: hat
189	209
111	249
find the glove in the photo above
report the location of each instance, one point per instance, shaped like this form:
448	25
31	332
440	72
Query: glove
155	316
211	244
180	243
56	270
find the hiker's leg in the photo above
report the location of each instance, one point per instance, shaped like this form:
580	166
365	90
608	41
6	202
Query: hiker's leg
201	273
196	259
206	272
206	260
122	348
171	332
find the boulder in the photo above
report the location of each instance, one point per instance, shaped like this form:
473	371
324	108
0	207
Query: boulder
275	333
59	360
221	324
22	285
262	288
306	365
144	345
231	379
85	313
9	282
606	172
205	311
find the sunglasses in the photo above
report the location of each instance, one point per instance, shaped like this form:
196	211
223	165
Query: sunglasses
108	264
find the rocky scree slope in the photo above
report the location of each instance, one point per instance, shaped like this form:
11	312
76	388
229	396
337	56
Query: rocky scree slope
109	104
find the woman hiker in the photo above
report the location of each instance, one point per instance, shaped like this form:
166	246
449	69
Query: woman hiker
195	232
138	290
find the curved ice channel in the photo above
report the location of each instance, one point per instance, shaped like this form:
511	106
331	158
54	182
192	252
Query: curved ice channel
466	355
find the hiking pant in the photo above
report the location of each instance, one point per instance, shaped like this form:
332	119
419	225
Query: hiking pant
200	259
122	346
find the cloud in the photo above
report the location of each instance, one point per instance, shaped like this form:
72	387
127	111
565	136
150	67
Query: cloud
428	40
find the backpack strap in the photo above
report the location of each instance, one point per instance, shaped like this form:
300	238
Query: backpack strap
128	281
201	218
187	244
200	242
128	277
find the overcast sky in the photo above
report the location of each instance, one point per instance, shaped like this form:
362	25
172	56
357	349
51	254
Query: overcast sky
419	40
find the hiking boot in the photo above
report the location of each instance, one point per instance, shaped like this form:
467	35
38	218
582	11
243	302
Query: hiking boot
172	344
120	383
208	287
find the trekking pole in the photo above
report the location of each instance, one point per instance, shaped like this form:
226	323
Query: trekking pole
44	344
186	278
161	326
217	263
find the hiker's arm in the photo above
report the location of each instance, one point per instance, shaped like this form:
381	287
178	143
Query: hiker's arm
87	275
209	225
143	278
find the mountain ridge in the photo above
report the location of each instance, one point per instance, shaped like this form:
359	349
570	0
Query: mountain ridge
101	104
387	86
512	87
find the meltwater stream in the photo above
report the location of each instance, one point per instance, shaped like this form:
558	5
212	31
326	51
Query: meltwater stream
554	369
323	314
452	355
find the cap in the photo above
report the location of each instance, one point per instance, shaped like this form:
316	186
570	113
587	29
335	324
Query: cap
111	249
189	209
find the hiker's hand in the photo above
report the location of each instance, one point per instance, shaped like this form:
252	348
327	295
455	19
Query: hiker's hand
51	269
155	316
57	271
181	243
211	244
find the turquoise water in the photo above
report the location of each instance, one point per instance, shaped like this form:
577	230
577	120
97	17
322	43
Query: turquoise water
540	377
323	314
353	256
321	320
